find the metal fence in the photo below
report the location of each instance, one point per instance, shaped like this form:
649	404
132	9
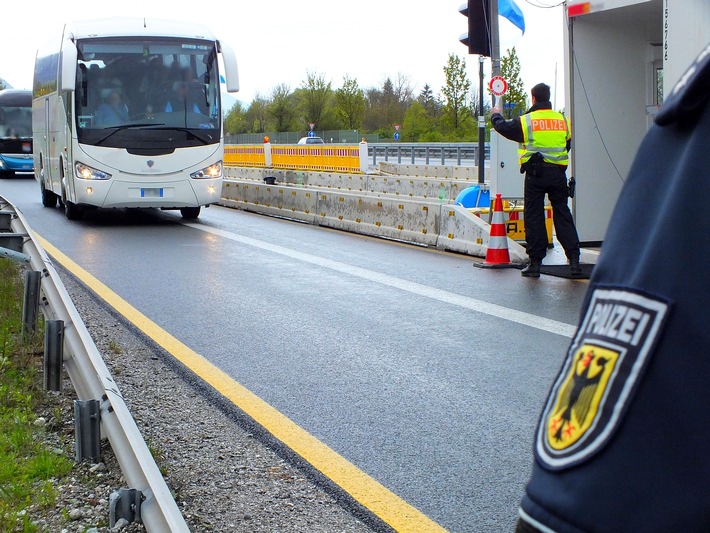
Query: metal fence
461	154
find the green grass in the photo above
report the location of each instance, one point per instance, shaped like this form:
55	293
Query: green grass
27	466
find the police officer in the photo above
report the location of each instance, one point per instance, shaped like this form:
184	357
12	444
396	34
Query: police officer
622	442
544	136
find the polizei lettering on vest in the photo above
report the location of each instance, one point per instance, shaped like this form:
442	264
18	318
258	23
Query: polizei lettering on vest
618	321
548	124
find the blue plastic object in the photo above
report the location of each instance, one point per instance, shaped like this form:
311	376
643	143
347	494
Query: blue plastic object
474	197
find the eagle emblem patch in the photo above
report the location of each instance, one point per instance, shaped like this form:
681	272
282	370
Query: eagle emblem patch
605	362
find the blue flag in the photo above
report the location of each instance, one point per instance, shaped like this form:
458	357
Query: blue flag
510	10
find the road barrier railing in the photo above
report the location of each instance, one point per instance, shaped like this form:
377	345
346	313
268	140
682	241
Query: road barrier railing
306	157
92	380
250	155
426	153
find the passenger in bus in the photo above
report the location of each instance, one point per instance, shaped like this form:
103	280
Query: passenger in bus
155	86
182	99
113	112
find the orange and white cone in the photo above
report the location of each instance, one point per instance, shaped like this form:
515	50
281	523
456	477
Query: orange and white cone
497	253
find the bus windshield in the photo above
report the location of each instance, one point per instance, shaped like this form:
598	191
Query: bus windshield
151	95
16	132
15	115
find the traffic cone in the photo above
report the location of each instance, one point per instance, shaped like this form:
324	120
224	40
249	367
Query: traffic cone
497	255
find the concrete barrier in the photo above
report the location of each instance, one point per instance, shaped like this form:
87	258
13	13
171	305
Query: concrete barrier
454	172
348	202
275	200
464	232
402	186
393	218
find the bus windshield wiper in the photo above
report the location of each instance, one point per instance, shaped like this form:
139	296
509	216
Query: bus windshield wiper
116	129
204	139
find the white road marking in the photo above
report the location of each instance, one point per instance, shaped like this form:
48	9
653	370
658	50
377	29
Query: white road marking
506	313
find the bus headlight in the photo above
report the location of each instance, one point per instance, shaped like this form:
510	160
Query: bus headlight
211	172
86	172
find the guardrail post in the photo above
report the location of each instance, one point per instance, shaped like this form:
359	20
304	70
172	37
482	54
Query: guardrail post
53	354
426	155
124	504
30	306
87	430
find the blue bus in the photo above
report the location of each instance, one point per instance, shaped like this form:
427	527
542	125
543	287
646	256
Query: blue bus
16	133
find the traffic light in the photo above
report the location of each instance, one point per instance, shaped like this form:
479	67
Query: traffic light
478	38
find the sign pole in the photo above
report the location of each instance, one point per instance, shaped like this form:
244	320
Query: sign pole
481	125
495	39
495	71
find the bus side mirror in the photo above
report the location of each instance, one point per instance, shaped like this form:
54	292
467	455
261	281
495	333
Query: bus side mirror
231	72
67	66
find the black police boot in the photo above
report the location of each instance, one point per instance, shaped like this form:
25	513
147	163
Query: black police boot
532	270
574	269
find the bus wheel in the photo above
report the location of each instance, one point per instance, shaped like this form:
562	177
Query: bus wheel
73	211
49	199
190	212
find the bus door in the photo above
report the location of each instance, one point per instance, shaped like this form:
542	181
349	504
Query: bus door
47	152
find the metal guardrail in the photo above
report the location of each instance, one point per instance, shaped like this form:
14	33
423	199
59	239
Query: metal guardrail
428	153
92	381
408	153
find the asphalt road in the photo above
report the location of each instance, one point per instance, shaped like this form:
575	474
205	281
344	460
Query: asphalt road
425	372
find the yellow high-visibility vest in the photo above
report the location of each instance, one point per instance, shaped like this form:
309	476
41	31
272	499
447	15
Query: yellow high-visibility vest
547	132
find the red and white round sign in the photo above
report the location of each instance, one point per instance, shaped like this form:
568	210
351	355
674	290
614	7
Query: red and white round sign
498	85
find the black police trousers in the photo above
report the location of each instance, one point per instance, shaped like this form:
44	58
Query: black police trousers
549	180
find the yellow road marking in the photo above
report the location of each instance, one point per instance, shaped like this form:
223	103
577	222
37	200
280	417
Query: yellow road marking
379	500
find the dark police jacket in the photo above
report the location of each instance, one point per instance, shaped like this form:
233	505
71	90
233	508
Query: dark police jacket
623	442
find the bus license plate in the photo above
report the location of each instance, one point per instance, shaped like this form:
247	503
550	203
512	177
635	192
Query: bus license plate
152	193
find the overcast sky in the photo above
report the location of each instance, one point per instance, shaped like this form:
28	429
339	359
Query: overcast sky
279	41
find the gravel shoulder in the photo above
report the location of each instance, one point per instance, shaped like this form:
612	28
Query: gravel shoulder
226	473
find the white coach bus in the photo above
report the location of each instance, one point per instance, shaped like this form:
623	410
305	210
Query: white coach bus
126	113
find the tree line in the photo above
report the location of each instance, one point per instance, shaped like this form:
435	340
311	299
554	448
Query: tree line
450	115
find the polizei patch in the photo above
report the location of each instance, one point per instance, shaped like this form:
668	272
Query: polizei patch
605	362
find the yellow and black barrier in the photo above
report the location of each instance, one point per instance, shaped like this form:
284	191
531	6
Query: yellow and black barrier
319	158
514	221
245	155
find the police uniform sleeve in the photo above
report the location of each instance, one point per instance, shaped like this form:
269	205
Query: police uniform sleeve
621	444
510	129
